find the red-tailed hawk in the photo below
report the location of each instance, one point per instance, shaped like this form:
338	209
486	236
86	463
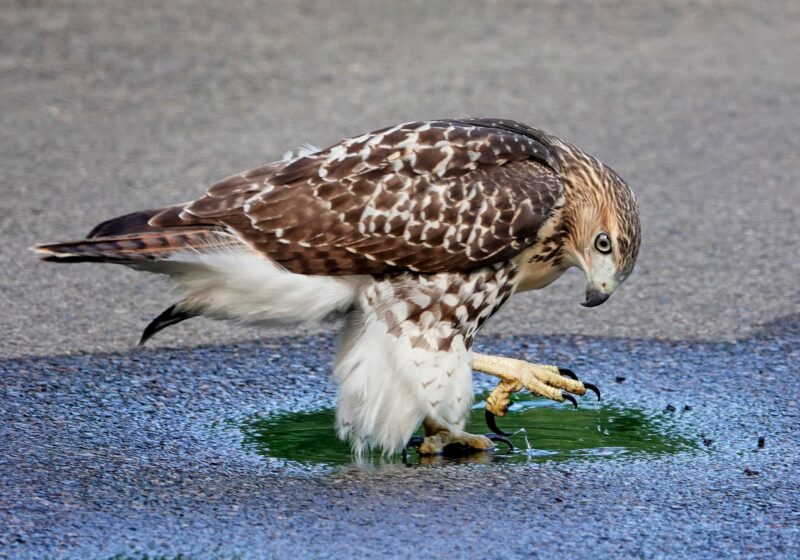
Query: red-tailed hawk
417	233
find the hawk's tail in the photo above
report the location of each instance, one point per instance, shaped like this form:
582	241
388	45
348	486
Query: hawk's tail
217	275
135	248
130	239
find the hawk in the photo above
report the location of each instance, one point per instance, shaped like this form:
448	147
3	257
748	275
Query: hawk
417	234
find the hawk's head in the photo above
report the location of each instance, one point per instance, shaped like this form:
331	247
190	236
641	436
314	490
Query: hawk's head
603	234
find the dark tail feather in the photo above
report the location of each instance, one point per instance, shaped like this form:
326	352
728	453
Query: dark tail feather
170	316
91	250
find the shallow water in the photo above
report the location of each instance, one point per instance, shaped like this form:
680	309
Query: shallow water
542	431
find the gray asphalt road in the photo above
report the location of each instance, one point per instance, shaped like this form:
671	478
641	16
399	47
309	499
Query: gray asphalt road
109	107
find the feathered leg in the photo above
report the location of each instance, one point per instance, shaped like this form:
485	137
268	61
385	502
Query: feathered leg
406	359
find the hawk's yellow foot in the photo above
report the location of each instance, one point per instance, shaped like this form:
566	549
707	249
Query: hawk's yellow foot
443	439
548	381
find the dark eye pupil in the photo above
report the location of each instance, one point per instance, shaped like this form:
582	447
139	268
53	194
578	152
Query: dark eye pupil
603	243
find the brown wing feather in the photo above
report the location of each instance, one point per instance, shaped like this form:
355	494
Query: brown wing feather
427	197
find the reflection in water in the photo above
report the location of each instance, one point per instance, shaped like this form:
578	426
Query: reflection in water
543	431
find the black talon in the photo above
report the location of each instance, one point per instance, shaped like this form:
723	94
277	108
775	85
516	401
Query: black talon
570	398
501	438
492	423
567	373
592	387
414	442
571	374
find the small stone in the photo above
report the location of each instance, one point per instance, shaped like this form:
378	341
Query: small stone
620	379
686	408
670	408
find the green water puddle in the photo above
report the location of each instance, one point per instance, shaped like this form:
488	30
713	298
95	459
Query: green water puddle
543	431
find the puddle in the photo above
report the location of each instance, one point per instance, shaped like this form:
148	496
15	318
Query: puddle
543	431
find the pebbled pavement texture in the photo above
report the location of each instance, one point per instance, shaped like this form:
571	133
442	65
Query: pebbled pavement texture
140	453
110	107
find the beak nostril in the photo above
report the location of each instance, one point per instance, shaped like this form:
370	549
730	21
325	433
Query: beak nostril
604	285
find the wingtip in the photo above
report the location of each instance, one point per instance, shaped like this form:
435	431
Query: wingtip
172	315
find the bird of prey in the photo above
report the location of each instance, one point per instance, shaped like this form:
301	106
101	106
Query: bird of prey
417	234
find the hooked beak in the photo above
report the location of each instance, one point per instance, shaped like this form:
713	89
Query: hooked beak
595	297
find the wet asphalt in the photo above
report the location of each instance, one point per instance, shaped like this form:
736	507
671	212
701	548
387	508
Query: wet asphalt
108	107
143	452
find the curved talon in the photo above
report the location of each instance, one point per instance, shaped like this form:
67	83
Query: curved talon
501	438
570	398
592	387
491	422
567	373
414	442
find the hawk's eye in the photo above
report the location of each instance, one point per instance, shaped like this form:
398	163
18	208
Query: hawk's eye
602	243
